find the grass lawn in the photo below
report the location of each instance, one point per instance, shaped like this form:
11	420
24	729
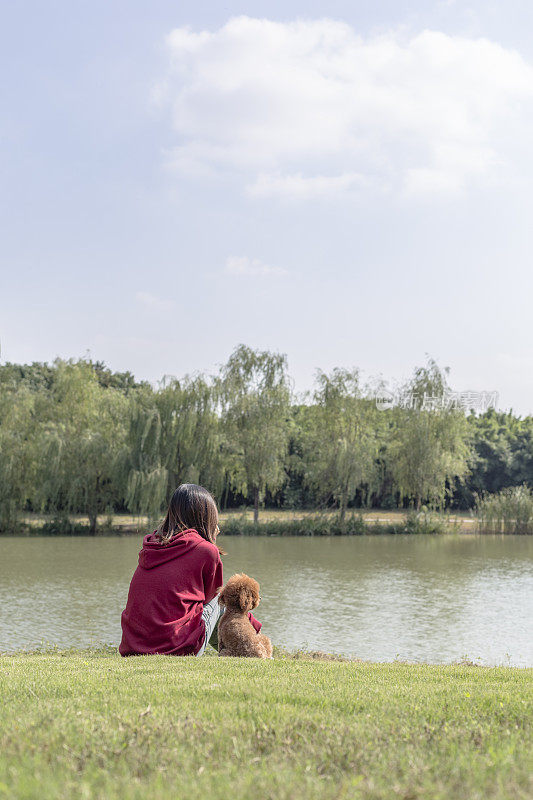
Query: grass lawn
92	725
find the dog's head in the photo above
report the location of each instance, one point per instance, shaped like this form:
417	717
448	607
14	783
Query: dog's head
241	593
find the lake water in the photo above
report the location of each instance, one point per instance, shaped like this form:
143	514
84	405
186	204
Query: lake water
418	598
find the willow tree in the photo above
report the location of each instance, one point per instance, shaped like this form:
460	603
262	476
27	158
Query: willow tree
430	449
173	438
255	399
18	474
341	443
190	435
145	480
82	436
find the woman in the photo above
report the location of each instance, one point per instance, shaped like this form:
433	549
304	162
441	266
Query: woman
172	603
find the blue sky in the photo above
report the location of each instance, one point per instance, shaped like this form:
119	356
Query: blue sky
346	182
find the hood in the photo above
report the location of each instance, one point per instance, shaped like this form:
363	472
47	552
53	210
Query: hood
154	553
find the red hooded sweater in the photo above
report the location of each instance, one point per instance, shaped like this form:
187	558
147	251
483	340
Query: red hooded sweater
167	594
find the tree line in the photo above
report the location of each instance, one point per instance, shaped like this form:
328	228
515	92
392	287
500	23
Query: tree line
76	437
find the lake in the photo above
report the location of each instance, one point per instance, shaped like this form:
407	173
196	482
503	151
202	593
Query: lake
418	598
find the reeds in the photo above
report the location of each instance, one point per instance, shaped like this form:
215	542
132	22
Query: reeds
333	525
508	511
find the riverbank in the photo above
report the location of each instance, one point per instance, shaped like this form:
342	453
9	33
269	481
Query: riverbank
90	724
271	523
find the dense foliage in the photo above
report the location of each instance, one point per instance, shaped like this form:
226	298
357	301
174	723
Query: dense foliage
76	437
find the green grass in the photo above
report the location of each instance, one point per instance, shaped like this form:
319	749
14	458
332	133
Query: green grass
92	725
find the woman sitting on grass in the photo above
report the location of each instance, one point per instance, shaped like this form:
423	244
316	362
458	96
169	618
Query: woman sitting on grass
172	603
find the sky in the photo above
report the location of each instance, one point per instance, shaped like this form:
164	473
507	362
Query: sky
345	182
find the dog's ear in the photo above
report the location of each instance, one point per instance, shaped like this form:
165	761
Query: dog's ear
221	599
245	598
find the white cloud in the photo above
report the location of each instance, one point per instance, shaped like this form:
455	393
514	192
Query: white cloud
300	187
153	303
309	108
242	265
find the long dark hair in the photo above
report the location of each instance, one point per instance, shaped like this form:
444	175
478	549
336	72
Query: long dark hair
191	506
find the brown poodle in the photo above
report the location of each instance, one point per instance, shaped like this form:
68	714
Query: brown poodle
236	634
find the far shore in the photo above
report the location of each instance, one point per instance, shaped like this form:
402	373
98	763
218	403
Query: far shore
271	522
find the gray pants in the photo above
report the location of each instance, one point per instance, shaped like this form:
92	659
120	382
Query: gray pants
211	615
